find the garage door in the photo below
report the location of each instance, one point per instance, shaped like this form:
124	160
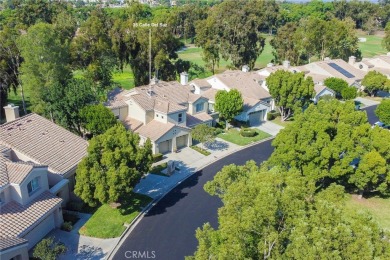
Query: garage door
255	118
164	147
181	141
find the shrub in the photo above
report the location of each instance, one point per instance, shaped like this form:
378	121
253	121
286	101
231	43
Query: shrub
218	131
221	124
270	116
349	93
157	157
67	226
248	132
48	249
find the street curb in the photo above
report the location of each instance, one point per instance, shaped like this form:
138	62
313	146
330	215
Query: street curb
138	218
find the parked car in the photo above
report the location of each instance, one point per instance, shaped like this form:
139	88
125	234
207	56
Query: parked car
380	124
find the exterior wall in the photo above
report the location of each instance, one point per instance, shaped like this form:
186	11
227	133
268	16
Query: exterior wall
149	116
161	117
19	193
120	112
5	195
40	231
17	253
136	112
192	108
174	118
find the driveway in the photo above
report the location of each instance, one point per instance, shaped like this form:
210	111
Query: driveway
269	127
367	102
82	247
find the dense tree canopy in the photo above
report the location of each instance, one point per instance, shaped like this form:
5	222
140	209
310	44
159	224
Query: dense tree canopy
97	119
291	91
46	61
386	39
383	111
332	142
114	165
375	81
273	214
229	104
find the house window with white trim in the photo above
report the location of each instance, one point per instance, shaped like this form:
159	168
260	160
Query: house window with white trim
199	107
33	185
180	118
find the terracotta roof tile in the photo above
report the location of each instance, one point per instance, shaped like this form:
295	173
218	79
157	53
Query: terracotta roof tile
154	129
193	120
44	142
132	124
17	219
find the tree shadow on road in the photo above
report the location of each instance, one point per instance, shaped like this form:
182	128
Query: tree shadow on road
175	195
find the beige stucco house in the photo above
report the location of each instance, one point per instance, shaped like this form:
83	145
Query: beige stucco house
164	112
380	63
38	160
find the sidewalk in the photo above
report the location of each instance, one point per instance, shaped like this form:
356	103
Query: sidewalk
188	161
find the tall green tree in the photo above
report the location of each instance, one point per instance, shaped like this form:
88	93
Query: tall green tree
229	104
65	111
375	81
45	62
383	111
48	249
291	91
114	165
336	84
91	50
331	142
270	214
386	39
97	119
203	134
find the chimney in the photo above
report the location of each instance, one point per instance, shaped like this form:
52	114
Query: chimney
184	78
352	60
286	64
269	65
245	68
11	112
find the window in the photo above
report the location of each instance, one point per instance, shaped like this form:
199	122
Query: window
211	108
33	185
199	107
180	117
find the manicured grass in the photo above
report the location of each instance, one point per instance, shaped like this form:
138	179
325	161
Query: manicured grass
125	78
373	45
233	136
108	222
378	207
16	99
200	150
279	121
158	168
194	54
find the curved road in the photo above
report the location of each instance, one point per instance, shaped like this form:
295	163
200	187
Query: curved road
167	231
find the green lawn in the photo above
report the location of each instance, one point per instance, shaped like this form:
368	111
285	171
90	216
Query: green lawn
372	47
194	54
124	79
200	150
108	222
279	121
233	136
378	207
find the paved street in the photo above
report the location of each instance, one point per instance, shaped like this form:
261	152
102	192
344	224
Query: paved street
169	227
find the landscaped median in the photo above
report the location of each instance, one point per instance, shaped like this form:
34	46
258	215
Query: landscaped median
234	136
108	222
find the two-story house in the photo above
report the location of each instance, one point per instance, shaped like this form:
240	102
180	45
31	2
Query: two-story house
257	100
164	112
28	209
36	139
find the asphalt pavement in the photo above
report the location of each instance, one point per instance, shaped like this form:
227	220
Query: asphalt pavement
167	231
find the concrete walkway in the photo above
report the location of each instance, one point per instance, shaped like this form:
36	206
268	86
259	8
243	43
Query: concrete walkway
367	102
269	127
82	247
188	161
